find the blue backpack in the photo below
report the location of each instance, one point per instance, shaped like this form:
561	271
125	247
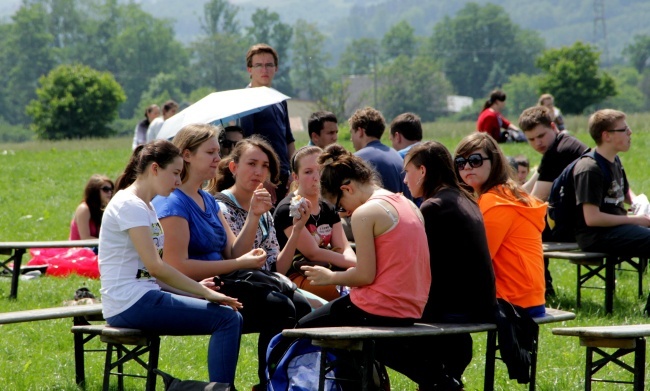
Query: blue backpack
562	209
297	367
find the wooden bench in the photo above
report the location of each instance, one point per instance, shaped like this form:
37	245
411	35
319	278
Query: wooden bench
362	339
117	340
625	339
602	266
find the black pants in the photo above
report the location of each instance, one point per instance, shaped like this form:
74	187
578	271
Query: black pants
268	313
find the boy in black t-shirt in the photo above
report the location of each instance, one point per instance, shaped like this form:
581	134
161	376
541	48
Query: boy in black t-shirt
603	223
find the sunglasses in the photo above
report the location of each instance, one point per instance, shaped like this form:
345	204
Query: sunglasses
474	160
337	206
107	189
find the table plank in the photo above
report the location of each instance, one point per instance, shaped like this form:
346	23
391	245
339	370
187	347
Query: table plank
418	329
50	244
559	246
50	313
623	331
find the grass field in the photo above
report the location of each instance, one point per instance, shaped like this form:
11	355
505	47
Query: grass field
42	182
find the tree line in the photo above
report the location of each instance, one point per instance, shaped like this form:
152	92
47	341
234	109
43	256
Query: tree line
136	59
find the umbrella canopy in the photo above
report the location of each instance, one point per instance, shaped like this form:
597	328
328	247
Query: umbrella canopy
223	107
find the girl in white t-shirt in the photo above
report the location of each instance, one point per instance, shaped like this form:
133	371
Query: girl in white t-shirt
130	246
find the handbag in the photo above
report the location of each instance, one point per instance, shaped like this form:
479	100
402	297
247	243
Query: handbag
255	279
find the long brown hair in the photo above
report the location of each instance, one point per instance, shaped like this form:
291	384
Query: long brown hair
440	173
225	179
501	176
93	197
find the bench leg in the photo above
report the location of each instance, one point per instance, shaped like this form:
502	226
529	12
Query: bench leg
79	364
639	364
154	352
15	275
610	283
588	366
490	356
323	369
107	367
578	285
367	363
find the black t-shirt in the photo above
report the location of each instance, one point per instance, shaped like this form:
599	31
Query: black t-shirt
591	188
564	150
462	276
320	225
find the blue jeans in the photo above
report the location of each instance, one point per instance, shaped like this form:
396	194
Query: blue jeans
170	314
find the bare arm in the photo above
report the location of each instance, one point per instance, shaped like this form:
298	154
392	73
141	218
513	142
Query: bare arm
82	218
595	218
141	238
285	257
175	253
530	184
368	221
261	202
310	249
542	190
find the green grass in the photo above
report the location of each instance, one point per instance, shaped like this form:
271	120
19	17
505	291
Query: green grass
42	183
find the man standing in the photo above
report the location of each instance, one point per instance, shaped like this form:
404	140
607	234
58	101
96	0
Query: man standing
271	123
558	149
405	132
366	128
603	224
169	110
323	129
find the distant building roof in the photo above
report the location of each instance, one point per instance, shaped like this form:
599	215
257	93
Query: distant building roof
456	103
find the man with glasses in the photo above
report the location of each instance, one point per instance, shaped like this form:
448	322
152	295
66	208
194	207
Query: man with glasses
603	223
271	123
228	139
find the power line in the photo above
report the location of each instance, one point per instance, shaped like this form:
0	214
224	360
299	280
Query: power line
600	30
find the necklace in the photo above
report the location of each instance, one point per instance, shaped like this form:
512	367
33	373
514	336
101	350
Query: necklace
316	218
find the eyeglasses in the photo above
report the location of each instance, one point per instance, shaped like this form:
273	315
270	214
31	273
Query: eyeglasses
267	66
337	206
474	160
622	130
107	189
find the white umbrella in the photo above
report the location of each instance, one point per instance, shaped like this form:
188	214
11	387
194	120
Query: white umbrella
223	106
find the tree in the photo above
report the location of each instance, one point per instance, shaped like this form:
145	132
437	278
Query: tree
399	40
30	56
572	76
638	53
309	61
218	56
359	57
267	28
413	84
523	92
75	101
470	44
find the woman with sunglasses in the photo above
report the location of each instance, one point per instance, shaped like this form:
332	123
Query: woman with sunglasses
323	241
239	179
87	219
513	219
389	285
462	276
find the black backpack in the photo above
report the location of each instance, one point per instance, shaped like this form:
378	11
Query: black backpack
562	209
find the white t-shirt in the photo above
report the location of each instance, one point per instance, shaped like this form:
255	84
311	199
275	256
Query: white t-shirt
154	128
118	259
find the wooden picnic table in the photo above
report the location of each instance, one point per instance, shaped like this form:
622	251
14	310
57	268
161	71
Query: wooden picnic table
16	250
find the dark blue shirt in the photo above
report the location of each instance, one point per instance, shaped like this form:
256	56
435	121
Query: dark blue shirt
388	164
272	124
